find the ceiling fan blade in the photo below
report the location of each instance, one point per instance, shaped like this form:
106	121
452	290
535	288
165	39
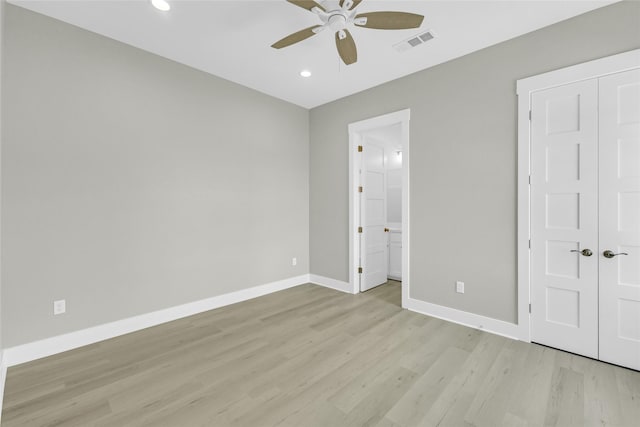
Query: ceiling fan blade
295	37
353	6
390	20
346	47
307	4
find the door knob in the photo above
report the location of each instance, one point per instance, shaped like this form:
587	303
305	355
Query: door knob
584	252
610	254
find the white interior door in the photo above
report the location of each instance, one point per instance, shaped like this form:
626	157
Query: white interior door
373	210
564	216
620	218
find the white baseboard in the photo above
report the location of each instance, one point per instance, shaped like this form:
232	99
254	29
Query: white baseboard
3	377
327	282
476	321
58	344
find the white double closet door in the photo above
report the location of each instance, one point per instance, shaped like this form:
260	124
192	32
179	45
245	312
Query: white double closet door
585	218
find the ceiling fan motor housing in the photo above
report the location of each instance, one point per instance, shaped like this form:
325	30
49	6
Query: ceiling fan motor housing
337	21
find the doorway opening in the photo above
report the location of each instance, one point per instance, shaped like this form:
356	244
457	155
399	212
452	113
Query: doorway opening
379	202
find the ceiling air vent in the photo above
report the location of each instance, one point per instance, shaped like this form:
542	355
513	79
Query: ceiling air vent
414	41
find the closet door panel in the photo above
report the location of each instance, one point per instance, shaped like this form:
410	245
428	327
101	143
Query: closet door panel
619	214
564	221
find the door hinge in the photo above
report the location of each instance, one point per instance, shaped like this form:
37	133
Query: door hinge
359	229
529	115
360	270
529	179
359	148
360	189
529	243
529	308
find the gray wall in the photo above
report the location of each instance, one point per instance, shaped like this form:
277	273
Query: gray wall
131	183
2	2
463	160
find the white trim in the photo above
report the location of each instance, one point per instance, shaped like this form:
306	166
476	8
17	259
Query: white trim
406	190
58	344
525	87
327	282
476	321
585	71
3	379
401	117
523	222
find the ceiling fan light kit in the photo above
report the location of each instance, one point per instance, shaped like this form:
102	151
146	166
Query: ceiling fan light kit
338	15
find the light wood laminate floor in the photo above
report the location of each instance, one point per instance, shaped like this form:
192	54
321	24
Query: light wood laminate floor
311	356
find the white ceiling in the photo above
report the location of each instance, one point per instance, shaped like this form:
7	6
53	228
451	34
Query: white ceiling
232	39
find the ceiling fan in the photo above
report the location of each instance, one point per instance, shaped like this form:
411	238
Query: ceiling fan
338	15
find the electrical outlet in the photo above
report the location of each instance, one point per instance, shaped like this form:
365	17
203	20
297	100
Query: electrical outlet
59	306
294	261
460	287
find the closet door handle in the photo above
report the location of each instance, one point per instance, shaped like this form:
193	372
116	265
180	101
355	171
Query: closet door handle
610	254
584	252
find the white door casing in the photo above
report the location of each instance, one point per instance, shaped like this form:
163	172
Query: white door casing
526	87
564	215
619	176
373	211
356	131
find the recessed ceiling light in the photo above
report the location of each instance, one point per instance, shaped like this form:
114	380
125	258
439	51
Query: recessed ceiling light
305	73
162	5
